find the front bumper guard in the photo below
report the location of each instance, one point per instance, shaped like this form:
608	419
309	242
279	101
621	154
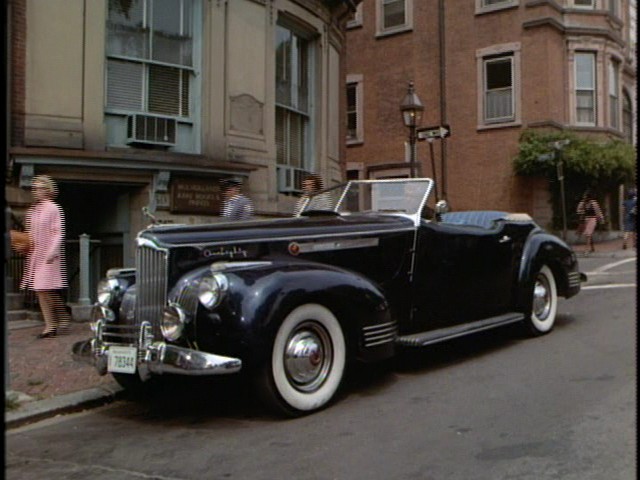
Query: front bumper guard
157	358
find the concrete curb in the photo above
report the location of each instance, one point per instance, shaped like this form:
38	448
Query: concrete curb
71	402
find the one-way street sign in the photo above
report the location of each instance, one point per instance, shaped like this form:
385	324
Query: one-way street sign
425	133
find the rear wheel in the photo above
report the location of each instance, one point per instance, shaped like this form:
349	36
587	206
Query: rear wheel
544	304
307	362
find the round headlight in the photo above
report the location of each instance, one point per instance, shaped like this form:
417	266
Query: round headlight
98	312
107	289
173	320
212	289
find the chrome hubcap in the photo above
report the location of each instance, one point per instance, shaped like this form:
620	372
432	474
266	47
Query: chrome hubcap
308	357
541	298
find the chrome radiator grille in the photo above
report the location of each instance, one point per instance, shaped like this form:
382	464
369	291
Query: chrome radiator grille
151	278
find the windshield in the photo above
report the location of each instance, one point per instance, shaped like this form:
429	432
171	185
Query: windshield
406	196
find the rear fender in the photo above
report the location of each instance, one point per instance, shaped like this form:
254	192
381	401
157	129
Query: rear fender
544	249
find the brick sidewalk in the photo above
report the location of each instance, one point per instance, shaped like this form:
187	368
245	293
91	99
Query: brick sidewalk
44	368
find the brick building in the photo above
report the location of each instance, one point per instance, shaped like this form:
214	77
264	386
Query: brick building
134	103
489	69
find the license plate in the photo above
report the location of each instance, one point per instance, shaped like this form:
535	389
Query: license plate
122	359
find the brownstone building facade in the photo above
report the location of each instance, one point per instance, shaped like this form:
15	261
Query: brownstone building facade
145	105
489	69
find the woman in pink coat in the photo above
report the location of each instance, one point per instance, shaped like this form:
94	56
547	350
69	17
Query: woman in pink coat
45	270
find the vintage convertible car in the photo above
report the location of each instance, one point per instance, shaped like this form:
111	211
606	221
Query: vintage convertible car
294	300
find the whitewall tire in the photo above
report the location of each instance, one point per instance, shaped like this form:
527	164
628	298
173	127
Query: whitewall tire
544	303
307	361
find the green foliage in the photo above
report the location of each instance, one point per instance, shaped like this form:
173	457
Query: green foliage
587	163
604	163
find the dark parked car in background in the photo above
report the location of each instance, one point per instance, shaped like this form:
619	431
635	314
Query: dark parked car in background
294	300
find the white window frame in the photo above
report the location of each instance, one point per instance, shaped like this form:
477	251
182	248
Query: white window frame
627	127
614	94
495	53
308	138
594	89
147	64
592	5
485	6
357	80
381	31
356	21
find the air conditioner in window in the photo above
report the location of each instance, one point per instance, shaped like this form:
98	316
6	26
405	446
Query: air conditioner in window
151	130
290	179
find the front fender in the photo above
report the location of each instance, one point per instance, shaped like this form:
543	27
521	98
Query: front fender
260	298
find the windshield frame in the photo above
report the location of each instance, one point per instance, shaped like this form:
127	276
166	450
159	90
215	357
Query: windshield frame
414	216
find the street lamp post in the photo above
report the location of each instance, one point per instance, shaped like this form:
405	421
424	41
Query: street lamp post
411	109
558	146
556	156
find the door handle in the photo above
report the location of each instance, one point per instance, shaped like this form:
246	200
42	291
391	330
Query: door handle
504	239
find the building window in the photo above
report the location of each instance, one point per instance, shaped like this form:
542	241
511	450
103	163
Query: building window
627	117
614	102
498	89
150	62
614	8
590	4
394	16
293	94
498	85
484	6
356	18
354	109
585	88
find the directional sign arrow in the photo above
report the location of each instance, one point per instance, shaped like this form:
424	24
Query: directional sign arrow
433	132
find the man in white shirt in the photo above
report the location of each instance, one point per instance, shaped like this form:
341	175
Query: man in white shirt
235	205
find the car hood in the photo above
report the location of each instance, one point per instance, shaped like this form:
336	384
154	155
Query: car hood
272	230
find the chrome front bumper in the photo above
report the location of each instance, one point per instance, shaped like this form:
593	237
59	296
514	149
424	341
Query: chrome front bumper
155	357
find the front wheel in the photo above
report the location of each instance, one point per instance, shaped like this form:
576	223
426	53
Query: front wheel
544	304
307	361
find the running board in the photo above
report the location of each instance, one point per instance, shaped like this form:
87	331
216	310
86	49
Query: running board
423	339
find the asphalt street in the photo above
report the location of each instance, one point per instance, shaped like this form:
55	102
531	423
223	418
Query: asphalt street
492	406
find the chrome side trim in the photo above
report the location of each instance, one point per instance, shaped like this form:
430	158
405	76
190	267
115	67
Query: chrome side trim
574	279
298	238
435	336
338	244
374	335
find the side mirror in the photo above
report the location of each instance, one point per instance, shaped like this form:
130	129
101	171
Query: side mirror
442	207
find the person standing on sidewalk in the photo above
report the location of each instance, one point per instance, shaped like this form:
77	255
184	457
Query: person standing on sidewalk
629	207
45	270
235	205
591	214
311	185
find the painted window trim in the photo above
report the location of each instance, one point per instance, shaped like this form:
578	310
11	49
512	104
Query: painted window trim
291	23
512	50
358	80
357	18
482	8
593	6
596	98
614	68
408	25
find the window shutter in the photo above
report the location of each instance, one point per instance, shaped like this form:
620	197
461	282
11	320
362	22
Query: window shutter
124	85
166	86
